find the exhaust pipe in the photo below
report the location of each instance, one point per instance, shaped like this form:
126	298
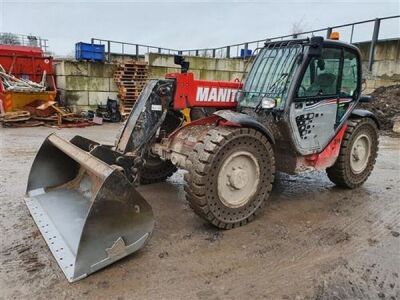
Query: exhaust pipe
87	211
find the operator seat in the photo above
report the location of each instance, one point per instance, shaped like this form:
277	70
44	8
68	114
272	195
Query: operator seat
324	84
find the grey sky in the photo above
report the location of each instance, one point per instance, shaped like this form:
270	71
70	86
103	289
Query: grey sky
184	24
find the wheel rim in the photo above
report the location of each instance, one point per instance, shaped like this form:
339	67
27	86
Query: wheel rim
360	153
238	179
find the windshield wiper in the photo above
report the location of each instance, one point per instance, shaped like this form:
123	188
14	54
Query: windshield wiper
279	80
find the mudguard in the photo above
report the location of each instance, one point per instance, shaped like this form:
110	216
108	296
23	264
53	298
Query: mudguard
363	113
246	121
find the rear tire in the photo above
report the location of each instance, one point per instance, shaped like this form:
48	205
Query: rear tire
230	176
357	155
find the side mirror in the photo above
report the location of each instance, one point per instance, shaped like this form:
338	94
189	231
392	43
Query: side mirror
315	46
365	99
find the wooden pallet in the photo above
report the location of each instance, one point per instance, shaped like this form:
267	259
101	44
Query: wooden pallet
130	77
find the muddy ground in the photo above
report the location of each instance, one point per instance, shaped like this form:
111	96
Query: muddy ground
314	241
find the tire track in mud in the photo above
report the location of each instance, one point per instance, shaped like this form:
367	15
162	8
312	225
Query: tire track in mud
349	239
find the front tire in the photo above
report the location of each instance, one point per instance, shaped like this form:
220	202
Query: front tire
357	155
230	176
156	170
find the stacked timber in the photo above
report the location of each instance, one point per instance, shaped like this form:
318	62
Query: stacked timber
130	78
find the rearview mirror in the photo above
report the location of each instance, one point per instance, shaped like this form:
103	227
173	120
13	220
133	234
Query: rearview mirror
315	46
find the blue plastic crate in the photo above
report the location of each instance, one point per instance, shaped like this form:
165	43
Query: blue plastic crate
85	51
245	52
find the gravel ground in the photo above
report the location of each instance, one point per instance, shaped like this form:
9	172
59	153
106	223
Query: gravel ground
314	241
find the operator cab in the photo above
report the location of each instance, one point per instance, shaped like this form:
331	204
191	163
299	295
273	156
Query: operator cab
310	85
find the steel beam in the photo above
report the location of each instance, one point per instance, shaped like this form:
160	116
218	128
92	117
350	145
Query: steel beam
108	51
328	32
374	39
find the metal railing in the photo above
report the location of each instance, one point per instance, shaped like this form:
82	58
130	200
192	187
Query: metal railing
372	31
8	38
131	49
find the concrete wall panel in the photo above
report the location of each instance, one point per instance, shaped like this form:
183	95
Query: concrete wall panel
77	68
98	84
104	70
96	98
112	85
75	98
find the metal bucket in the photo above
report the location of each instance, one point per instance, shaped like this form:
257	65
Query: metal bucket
89	214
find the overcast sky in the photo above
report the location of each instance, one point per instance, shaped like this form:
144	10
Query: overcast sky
185	24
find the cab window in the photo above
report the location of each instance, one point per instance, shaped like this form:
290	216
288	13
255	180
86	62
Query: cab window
322	75
350	75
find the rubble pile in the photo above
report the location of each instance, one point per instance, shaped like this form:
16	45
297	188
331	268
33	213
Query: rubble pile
385	105
45	113
12	83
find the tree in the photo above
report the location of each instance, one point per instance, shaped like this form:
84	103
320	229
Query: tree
298	27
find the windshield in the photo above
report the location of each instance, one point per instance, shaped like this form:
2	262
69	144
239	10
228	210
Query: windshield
271	74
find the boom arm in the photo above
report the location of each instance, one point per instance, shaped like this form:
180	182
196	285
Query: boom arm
203	93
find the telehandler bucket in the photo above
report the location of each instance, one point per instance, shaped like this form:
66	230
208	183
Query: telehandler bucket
89	214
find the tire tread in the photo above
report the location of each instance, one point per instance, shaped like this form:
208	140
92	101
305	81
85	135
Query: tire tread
339	172
200	161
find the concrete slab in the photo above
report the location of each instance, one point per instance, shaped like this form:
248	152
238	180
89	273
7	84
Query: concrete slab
100	97
68	67
112	85
80	98
99	69
97	84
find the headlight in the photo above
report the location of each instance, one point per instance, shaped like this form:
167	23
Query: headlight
268	103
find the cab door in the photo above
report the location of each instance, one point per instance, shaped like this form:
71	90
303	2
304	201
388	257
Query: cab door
322	98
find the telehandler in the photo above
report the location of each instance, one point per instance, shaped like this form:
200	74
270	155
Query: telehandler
295	112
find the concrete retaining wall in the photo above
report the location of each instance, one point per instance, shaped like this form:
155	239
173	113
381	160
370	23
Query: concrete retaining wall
85	84
386	66
203	67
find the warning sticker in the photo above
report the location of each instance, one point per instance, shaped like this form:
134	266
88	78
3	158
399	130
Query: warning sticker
156	107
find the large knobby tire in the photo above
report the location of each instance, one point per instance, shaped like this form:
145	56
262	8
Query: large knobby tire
156	170
357	155
230	176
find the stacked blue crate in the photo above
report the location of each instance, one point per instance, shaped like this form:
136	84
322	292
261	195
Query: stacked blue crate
85	51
